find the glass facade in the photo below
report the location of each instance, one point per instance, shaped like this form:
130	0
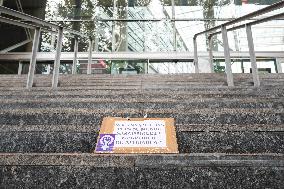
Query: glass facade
158	26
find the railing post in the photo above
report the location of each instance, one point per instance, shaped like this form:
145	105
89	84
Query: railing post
148	64
89	68
229	73
1	4
174	25
252	56
211	53
33	59
20	68
48	69
74	66
279	66
195	55
57	58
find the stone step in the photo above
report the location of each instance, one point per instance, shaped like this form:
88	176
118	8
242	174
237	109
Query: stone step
47	142
143	96
188	77
81	78
243	142
82	139
128	88
110	84
152	82
145	104
185	75
213	124
186	93
86	116
150	85
139	83
171	77
141	171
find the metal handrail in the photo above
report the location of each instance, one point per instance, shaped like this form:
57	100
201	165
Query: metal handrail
40	25
40	22
22	24
224	31
27	17
251	23
259	12
27	25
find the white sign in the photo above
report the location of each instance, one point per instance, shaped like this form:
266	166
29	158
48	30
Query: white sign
148	133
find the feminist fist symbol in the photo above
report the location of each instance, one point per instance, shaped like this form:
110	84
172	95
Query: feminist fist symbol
106	141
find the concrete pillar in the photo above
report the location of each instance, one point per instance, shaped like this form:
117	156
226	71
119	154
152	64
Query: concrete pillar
89	68
20	68
252	56
229	73
33	59
74	66
195	55
279	65
211	54
57	59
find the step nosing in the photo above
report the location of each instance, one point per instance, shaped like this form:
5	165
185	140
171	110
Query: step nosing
139	160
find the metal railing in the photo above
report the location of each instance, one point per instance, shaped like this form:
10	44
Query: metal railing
224	30
39	25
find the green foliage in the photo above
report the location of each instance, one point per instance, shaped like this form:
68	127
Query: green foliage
108	69
218	68
138	68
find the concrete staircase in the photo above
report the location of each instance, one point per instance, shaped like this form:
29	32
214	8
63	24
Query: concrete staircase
227	137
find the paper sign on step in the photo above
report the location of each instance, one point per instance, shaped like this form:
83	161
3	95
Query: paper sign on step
145	135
